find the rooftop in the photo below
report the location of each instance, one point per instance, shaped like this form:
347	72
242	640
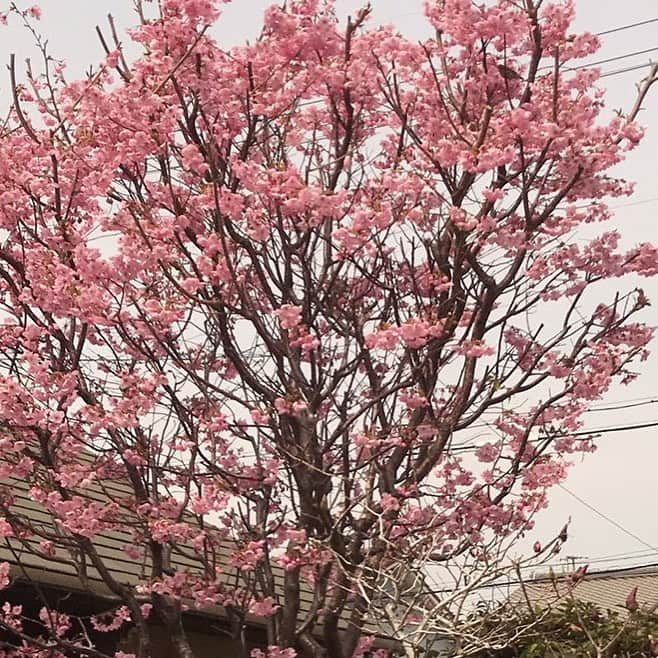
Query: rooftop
605	589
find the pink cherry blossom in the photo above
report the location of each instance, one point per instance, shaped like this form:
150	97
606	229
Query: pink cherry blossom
289	315
264	608
274	652
281	319
4	574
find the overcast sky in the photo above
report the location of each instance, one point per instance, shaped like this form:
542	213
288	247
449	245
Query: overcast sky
621	478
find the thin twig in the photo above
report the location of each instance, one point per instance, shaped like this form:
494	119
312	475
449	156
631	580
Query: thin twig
19	112
181	61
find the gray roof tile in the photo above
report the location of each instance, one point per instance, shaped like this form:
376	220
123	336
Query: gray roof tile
606	589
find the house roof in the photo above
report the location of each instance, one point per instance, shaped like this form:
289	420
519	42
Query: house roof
605	589
67	569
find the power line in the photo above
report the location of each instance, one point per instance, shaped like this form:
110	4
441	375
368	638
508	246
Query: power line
646	398
607	518
548	578
471	447
626	27
603	33
601	430
624	555
618	405
630	405
613	59
613	30
610	406
629	555
635	203
617	557
616	58
607	430
626	70
641	202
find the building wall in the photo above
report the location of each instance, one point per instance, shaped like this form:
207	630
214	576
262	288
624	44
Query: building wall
204	645
208	636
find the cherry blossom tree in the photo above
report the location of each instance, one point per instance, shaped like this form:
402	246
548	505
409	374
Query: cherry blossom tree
305	312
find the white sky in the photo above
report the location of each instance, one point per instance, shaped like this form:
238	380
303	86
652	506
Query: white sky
621	478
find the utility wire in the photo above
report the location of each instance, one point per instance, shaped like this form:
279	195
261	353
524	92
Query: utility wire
607	518
603	33
610	406
626	70
623	555
630	405
613	59
471	447
641	202
601	61
614	30
607	430
589	65
646	398
619	557
626	27
548	578
604	430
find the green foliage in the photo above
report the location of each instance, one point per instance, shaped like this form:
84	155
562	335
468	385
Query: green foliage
576	630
